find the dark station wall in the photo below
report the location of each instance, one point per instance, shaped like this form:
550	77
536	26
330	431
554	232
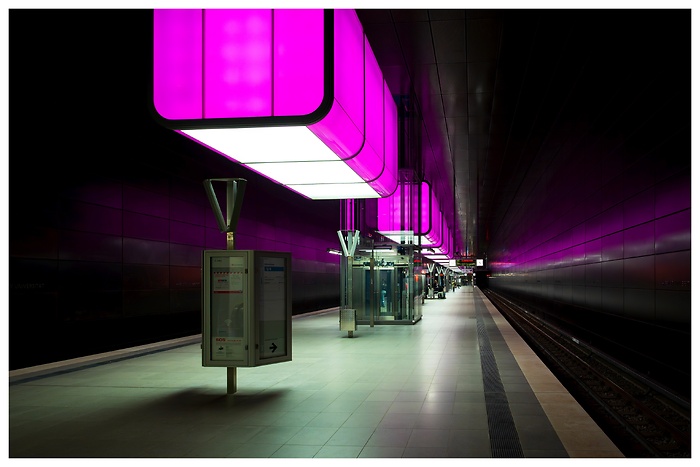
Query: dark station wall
597	237
108	216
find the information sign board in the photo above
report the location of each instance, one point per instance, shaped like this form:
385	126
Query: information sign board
246	304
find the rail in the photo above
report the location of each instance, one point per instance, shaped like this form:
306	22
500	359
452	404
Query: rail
641	418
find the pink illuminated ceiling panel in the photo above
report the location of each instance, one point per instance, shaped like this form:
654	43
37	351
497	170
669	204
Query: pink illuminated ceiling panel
343	128
237	57
388	181
338	132
426	207
390	211
369	162
441	246
177	63
447	244
298	70
374	105
348	77
233	79
219	75
434	234
398	211
415	207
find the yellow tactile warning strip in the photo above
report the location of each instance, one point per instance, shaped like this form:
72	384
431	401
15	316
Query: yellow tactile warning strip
579	434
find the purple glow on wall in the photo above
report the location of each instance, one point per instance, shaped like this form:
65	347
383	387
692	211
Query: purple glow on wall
255	75
609	258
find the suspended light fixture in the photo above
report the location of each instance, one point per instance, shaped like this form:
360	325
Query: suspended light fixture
397	215
295	95
443	250
432	220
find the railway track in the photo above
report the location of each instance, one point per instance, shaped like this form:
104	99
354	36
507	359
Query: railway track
641	418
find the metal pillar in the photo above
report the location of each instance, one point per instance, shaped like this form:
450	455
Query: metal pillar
235	188
372	290
231	372
348	243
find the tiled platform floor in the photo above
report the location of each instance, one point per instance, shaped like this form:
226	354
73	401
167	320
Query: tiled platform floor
391	391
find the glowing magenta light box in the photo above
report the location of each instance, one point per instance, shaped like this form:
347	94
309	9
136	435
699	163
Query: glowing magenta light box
296	95
398	213
432	220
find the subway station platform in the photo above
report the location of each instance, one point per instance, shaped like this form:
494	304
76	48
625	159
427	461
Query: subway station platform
460	383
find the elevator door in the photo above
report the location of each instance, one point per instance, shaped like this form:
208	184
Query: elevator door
393	294
383	293
385	299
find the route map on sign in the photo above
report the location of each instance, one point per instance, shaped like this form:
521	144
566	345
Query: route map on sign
228	338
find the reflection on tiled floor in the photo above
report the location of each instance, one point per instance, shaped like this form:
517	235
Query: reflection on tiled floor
391	391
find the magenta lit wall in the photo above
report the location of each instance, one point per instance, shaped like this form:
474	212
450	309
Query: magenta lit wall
622	247
598	237
105	242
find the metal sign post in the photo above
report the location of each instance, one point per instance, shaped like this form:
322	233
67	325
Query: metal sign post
348	314
235	188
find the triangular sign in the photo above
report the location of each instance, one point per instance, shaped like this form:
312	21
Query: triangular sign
352	240
235	188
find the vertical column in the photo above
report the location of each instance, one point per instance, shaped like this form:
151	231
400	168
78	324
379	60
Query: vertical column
231	373
235	188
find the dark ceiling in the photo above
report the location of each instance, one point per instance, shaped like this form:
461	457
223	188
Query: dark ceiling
500	91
